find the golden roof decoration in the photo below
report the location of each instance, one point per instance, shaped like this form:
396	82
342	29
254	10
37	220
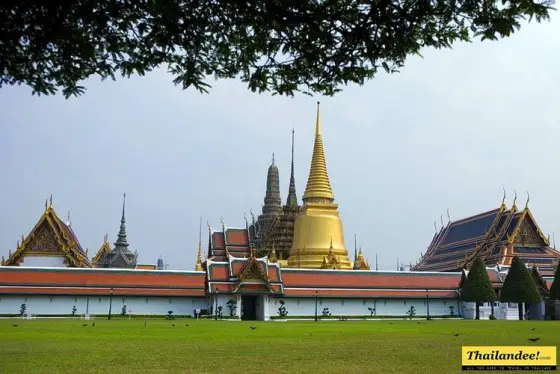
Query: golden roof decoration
103	250
50	236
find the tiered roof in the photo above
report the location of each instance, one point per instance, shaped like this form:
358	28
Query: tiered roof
496	235
103	250
230	241
50	237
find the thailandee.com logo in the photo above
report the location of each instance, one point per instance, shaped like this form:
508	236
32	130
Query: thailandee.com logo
508	358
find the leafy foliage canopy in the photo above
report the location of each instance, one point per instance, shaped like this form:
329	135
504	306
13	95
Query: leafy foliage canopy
281	46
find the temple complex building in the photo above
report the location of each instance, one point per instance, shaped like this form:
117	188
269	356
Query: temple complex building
51	242
496	235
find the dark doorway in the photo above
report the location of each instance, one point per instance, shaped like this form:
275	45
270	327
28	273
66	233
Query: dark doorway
248	308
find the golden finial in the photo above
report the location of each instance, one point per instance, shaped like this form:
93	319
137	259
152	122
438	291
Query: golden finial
504	198
106	238
514	197
198	266
318	184
22	238
527	202
50	201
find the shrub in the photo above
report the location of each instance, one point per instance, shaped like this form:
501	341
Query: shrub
22	309
492	317
326	312
232	305
123	310
371	311
411	312
282	311
451	310
74	310
170	315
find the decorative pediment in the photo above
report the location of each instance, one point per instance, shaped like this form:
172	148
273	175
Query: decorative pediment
527	232
50	236
252	271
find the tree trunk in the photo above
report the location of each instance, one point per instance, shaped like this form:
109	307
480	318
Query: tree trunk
477	315
520	308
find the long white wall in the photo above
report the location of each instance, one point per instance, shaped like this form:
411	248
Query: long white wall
45	305
359	307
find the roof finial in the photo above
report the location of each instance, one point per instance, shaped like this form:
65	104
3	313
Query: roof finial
246	221
448	217
376	262
504	198
553	241
441	219
527	202
68	222
273	158
46	203
106	238
50	201
514	197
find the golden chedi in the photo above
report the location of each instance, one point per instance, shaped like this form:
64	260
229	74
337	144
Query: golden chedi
318	237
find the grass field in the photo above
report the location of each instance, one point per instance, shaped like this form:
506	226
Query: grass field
127	346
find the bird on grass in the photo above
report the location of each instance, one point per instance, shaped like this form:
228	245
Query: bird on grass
253	327
533	329
145	322
15	325
187	325
455	334
534	340
84	325
93	324
173	324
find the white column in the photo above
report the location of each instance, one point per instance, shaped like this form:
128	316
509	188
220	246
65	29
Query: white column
265	309
238	310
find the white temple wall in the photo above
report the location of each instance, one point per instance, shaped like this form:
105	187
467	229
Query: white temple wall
43	261
359	307
45	305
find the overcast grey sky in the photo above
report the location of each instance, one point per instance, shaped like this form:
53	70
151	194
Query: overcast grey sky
447	132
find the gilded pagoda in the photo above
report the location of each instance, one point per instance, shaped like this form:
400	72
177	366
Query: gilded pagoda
308	236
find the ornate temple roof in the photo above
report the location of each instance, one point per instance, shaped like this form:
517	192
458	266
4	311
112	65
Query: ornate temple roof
230	241
50	236
496	235
103	250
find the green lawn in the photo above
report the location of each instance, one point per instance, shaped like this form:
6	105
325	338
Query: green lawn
127	346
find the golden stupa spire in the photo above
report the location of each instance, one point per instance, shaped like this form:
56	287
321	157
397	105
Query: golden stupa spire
198	266
318	185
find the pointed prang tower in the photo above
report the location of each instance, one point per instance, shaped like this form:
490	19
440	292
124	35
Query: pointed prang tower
272	209
120	256
318	230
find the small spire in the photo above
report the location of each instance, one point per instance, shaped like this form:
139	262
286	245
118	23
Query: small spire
527	202
273	158
68	222
198	266
50	201
46	204
318	184
292	197
376	262
448	217
504	198
121	237
514	197
105	239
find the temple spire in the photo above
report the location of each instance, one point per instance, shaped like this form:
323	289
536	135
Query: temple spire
272	200
198	266
318	185
121	237
292	197
355	252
